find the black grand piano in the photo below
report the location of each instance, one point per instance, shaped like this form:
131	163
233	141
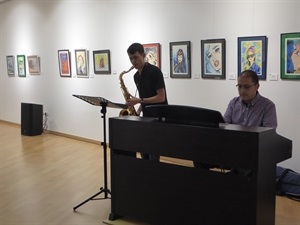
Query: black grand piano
164	193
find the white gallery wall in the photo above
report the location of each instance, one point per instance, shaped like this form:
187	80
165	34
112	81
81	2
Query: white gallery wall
42	27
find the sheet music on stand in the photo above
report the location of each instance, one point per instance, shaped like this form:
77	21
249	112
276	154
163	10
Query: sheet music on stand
97	101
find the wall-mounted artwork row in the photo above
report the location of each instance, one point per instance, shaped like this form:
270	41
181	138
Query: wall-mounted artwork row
252	55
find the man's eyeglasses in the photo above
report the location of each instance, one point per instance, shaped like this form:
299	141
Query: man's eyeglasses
245	86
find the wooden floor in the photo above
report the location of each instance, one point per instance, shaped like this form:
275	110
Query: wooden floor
43	177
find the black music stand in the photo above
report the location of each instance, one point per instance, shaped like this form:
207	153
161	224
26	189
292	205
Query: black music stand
104	103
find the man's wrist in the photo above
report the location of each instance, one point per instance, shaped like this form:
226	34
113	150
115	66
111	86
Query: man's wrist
141	100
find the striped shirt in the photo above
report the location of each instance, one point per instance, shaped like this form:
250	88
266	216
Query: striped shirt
260	112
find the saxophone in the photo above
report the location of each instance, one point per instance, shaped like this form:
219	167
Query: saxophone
130	110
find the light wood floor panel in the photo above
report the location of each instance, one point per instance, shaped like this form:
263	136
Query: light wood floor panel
43	177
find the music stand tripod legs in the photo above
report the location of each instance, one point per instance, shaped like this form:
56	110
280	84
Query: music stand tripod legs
104	189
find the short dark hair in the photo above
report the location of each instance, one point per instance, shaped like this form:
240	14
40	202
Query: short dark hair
136	47
252	74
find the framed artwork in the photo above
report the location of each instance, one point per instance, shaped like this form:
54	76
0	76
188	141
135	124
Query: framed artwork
34	65
152	52
64	62
252	55
290	56
180	59
213	58
21	62
10	62
101	60
81	59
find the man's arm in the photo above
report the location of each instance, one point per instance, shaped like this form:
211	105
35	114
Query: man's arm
270	116
228	113
158	98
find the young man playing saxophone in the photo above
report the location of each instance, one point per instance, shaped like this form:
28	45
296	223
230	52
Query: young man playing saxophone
149	82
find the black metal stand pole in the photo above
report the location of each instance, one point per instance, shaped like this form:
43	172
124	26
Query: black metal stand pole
104	189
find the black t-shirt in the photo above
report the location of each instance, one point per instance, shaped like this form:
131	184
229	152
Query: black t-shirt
149	82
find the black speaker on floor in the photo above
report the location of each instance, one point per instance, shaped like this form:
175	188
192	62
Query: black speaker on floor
31	119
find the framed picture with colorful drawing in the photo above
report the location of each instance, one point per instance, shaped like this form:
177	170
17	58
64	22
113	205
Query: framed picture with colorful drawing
290	56
21	63
180	59
101	60
213	59
64	62
81	59
34	65
152	52
10	62
252	55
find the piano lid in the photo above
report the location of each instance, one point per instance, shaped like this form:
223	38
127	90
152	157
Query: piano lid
188	115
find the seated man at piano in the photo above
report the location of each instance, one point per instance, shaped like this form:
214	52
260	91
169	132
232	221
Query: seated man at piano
249	108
